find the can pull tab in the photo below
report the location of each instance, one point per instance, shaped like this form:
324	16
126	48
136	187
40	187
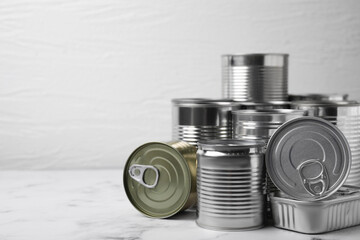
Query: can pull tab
314	176
137	172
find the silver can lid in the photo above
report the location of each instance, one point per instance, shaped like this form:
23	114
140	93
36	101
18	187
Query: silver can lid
308	158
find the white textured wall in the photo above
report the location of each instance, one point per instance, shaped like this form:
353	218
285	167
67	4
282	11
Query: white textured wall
82	83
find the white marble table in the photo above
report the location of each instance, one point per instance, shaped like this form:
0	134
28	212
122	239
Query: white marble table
92	204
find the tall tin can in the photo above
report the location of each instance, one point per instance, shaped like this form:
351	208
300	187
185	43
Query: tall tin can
195	119
160	178
346	116
255	77
230	183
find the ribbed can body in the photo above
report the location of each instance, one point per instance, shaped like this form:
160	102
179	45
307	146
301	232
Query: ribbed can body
339	211
346	116
230	186
255	77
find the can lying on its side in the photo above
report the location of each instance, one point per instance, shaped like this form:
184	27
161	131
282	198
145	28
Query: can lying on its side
339	211
160	178
230	183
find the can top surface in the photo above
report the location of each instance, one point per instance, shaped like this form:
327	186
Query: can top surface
231	145
157	180
345	193
308	158
256	59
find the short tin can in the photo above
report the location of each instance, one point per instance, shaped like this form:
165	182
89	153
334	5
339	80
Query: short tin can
261	124
160	178
346	116
255	77
339	211
195	119
308	158
230	183
202	119
319	97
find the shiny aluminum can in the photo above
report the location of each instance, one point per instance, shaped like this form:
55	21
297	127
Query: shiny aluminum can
346	116
255	77
230	183
308	158
319	97
160	178
195	119
261	124
339	211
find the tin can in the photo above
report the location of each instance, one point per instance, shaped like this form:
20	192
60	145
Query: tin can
346	116
261	124
230	184
308	158
202	119
160	178
337	212
255	77
319	97
195	119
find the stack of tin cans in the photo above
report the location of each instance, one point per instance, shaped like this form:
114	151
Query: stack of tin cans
308	146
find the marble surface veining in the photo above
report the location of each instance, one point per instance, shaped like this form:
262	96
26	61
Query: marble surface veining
92	204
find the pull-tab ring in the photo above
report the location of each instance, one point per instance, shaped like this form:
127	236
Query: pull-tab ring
317	185
137	172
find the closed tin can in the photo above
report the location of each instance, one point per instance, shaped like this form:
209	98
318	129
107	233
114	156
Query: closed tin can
195	119
230	183
255	77
337	212
308	158
160	178
346	116
319	97
202	119
261	124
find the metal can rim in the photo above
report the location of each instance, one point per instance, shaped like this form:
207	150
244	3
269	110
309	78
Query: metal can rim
267	112
225	144
324	103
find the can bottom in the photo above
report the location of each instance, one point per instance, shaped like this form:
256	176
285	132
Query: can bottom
214	228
